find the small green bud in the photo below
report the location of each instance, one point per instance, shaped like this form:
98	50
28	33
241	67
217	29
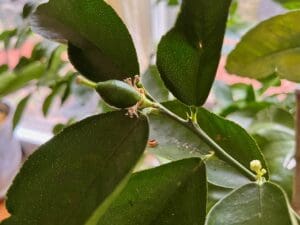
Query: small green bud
118	94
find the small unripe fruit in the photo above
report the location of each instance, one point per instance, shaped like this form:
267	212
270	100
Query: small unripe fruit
118	94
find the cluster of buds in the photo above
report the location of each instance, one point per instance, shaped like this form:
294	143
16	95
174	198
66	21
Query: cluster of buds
256	167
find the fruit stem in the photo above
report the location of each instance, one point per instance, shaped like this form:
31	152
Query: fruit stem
85	82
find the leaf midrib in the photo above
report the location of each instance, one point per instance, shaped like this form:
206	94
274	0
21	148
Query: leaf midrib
114	151
272	54
190	174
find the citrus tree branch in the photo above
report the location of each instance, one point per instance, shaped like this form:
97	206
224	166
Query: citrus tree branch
296	194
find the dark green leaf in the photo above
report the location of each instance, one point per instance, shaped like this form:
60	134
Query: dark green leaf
19	110
152	82
231	137
67	179
171	194
252	204
12	81
272	47
175	142
188	55
100	46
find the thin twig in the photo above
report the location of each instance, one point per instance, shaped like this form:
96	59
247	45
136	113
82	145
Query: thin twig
211	143
296	194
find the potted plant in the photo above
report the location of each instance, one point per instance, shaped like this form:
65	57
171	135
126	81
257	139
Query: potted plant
214	173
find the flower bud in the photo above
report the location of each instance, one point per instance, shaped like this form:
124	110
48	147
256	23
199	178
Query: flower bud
255	165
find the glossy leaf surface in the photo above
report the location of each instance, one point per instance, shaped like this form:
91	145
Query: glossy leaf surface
175	142
174	193
221	174
231	137
252	204
188	55
71	175
272	47
100	46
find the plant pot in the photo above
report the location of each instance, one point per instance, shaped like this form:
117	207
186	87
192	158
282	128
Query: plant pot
10	151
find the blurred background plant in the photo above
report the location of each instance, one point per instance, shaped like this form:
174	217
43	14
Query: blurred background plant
34	73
